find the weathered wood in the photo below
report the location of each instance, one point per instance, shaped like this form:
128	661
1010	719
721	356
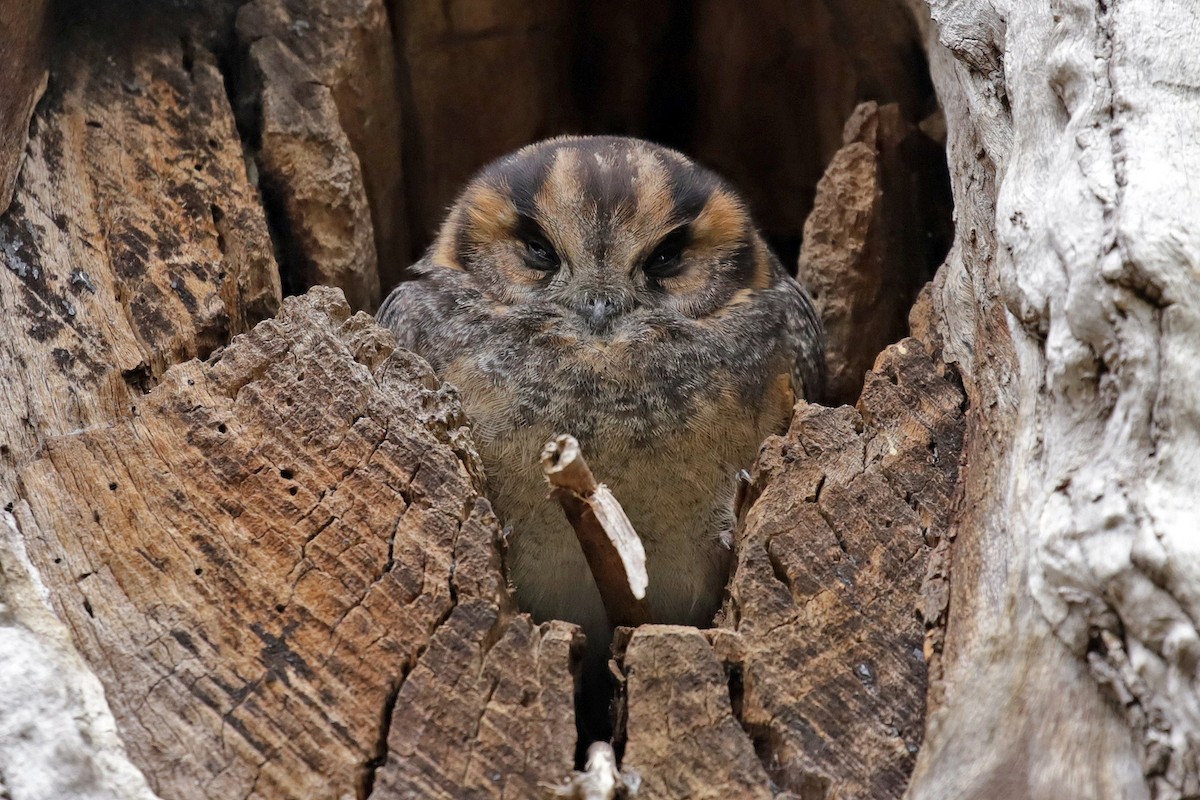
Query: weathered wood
318	93
613	550
682	737
1070	304
134	240
488	712
1061	600
58	739
255	562
820	640
830	677
879	226
24	26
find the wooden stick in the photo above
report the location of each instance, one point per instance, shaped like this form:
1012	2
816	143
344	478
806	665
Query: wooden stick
611	546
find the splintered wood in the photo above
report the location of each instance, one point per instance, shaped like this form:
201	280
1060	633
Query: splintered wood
135	240
610	544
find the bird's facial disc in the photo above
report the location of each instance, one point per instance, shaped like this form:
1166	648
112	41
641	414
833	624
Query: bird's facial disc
604	228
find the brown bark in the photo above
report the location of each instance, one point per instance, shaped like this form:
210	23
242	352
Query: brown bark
257	560
318	90
870	242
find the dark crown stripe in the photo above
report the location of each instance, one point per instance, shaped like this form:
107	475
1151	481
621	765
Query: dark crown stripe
691	188
519	175
524	177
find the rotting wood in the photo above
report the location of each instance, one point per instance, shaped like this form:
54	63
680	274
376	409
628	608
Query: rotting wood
611	546
58	738
1070	303
681	734
820	643
134	240
872	240
317	92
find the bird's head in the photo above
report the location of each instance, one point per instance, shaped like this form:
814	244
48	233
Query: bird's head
601	228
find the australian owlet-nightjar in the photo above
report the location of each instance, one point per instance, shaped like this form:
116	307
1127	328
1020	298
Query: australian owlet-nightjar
612	289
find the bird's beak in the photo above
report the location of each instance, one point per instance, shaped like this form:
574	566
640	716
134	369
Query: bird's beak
599	314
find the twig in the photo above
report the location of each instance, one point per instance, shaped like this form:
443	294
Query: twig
610	544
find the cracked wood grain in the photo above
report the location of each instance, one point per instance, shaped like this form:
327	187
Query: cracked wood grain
681	735
317	92
1069	300
256	561
827	668
813	682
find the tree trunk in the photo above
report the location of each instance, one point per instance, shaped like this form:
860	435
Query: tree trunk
1069	304
244	549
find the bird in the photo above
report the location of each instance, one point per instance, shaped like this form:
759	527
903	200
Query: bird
612	289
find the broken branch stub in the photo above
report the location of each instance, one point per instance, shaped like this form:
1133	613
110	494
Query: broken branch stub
611	546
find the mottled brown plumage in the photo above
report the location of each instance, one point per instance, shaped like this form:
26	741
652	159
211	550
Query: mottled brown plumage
612	289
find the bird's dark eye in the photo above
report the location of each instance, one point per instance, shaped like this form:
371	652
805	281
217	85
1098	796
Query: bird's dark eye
541	253
666	259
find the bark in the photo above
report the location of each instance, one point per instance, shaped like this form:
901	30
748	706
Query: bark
1069	302
134	240
872	240
327	140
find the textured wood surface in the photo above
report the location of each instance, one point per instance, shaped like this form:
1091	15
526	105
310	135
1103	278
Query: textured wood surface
1070	303
256	560
821	643
488	712
134	240
682	737
878	229
318	93
831	561
23	63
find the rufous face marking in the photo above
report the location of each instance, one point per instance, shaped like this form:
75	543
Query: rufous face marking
604	227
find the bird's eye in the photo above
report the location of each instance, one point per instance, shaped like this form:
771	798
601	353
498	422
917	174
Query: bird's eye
666	259
541	255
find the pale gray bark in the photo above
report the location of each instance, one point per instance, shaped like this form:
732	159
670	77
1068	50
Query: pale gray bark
58	738
1070	304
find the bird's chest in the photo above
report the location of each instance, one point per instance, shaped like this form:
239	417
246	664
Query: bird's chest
668	445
